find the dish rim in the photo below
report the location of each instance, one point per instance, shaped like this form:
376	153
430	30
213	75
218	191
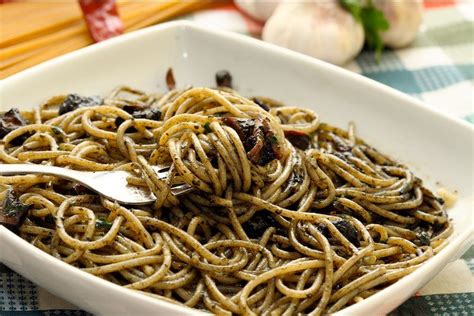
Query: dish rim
463	240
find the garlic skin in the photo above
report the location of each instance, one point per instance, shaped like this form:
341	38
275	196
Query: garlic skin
258	9
405	17
321	29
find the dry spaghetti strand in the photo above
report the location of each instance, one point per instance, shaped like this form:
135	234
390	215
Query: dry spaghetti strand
34	32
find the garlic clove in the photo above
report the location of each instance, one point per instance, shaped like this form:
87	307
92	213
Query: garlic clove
258	9
405	17
321	29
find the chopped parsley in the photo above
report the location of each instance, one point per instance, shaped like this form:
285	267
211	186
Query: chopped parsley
207	127
12	211
103	223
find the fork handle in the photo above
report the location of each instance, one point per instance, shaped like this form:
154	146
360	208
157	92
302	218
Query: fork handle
19	169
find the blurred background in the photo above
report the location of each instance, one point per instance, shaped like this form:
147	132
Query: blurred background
422	48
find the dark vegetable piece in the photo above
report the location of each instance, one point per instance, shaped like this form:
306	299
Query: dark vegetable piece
424	233
142	113
345	227
49	219
224	79
170	82
118	121
259	223
324	230
130	108
424	238
149	114
296	179
243	127
9	122
265	155
13	212
102	18
298	139
270	150
103	223
258	139
207	127
261	104
75	101
348	230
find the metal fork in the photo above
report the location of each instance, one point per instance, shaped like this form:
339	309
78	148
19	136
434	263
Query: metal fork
110	184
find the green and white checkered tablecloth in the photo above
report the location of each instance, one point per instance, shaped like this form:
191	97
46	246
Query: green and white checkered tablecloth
437	68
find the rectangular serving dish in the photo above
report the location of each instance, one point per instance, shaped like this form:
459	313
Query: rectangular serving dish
438	148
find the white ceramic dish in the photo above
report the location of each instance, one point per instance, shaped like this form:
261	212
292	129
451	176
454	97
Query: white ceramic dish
437	147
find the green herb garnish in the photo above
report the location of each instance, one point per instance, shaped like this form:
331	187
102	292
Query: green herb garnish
354	7
13	206
103	223
207	127
424	238
12	210
273	139
372	19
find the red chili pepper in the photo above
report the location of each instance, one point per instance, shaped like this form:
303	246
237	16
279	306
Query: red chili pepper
102	18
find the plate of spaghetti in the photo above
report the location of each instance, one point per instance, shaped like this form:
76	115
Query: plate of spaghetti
314	189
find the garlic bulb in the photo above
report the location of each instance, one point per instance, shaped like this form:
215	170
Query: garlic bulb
258	9
404	16
322	29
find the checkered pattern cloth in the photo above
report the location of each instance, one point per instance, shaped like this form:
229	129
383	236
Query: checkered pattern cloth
437	68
